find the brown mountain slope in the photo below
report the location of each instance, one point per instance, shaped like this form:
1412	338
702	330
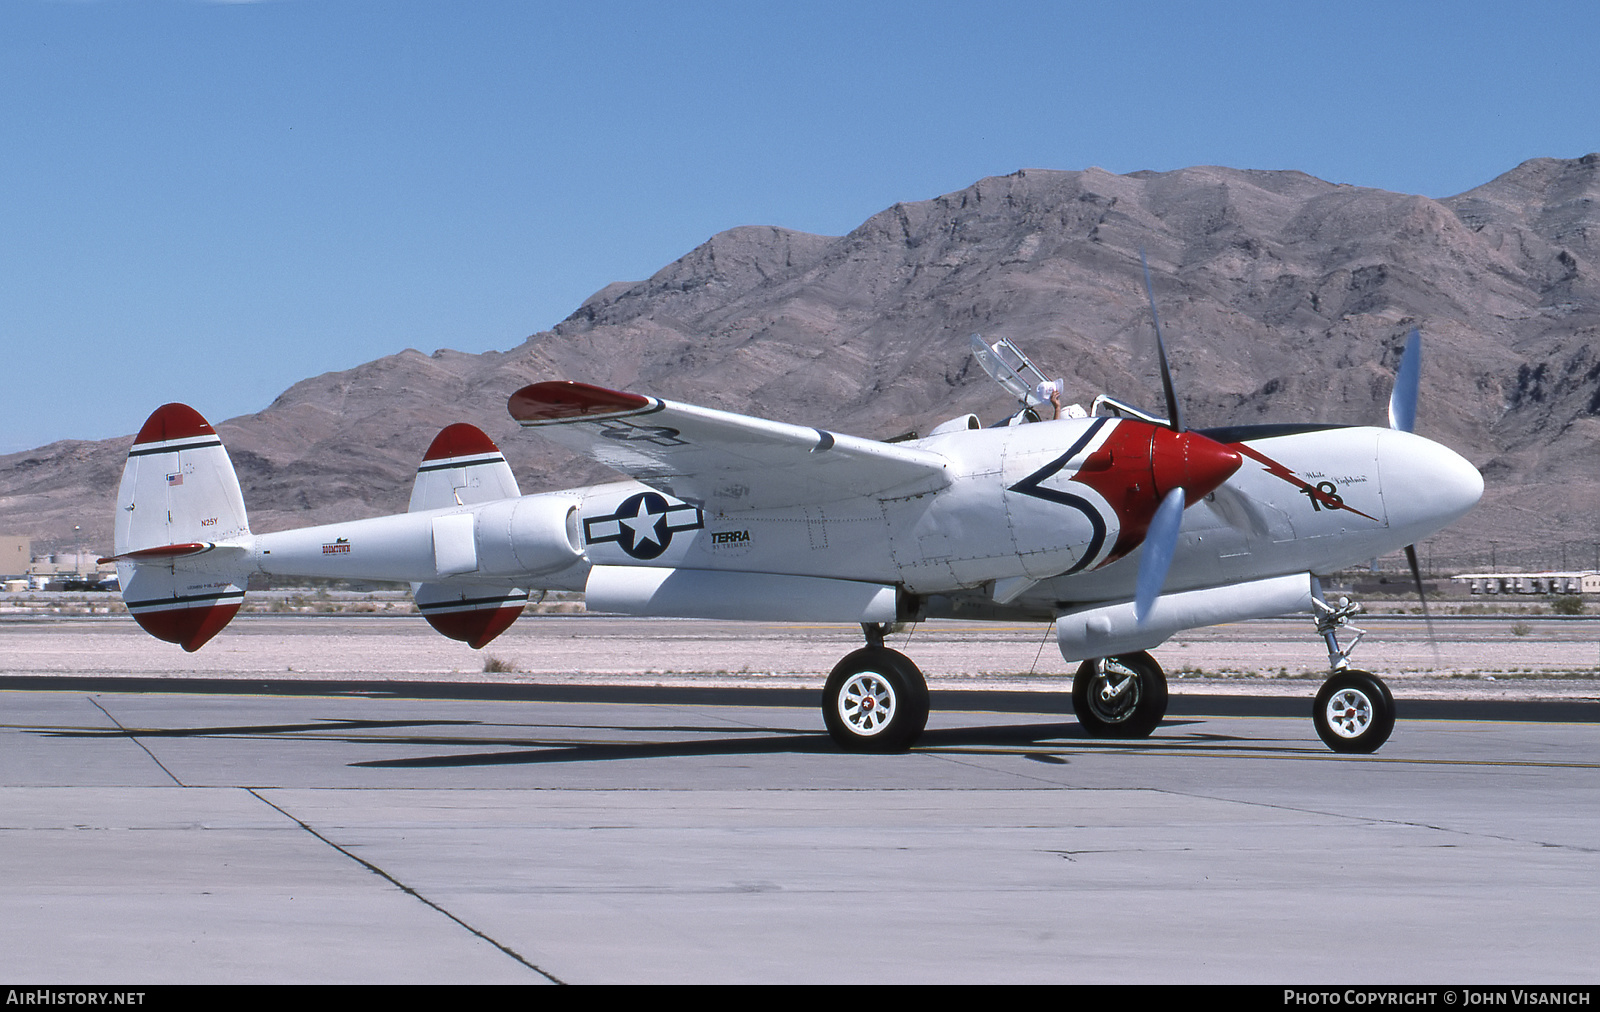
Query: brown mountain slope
1284	297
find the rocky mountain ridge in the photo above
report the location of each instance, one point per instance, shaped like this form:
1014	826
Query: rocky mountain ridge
1284	298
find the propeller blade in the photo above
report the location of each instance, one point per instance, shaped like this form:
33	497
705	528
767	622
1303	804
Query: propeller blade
1160	541
1403	401
1174	417
1416	577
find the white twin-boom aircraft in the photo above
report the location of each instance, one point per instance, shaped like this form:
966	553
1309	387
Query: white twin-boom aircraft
1121	527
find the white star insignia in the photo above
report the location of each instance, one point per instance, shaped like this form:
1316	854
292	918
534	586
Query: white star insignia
643	525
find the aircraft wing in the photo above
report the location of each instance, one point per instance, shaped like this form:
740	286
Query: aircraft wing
719	459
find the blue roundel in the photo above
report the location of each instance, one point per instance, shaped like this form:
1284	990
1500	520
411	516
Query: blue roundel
642	525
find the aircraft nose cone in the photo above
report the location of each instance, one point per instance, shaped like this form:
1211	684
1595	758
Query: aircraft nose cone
1425	485
1191	461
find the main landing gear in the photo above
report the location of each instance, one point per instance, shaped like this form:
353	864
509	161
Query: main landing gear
876	699
1120	697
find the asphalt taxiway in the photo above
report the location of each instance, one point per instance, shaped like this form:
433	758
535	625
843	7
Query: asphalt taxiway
354	832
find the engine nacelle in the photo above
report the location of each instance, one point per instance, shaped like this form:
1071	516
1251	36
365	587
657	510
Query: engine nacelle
530	536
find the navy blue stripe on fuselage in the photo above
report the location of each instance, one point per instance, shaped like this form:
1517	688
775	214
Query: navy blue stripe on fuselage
1097	523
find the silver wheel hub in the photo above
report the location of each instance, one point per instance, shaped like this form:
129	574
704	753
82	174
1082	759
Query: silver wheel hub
866	703
1115	692
1349	713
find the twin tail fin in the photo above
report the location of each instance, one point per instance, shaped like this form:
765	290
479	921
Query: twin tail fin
463	467
184	551
181	534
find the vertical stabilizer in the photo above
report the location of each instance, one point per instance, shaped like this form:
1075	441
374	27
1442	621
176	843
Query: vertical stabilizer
464	467
181	532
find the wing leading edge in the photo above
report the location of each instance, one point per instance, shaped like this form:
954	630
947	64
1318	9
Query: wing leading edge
719	459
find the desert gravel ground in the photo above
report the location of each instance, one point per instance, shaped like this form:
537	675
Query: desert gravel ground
1476	658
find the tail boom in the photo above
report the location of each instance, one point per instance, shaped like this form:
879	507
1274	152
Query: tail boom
471	545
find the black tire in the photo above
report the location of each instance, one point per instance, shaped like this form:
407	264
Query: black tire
875	701
1354	712
1125	699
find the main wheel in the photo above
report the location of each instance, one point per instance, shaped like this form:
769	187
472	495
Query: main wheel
875	701
1120	697
1353	712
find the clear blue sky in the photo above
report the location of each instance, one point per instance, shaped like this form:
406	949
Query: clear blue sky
210	201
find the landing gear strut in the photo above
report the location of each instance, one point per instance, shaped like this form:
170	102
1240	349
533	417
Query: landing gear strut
1120	697
876	699
1353	711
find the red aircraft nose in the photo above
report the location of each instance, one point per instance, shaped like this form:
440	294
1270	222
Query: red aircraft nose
1191	461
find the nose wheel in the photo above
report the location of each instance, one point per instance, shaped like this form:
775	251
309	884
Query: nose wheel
1354	712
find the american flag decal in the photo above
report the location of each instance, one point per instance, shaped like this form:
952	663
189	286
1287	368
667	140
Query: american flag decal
175	479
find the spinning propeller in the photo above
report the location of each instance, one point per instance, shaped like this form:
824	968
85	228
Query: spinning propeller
1403	416
1161	538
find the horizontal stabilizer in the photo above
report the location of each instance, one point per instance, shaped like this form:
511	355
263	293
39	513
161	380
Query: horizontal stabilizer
159	552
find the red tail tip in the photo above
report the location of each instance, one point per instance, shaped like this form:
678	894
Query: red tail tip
459	440
475	628
190	628
173	421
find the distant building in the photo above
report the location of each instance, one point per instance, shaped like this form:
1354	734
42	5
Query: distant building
1579	582
16	554
51	572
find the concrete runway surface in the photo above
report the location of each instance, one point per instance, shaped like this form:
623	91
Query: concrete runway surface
342	831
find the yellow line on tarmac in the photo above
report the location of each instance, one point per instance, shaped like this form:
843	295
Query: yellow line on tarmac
1196	751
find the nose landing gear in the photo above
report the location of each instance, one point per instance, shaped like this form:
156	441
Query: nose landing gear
1353	711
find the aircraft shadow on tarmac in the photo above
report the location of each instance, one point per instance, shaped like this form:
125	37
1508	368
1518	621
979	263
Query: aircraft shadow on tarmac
1024	740
1036	741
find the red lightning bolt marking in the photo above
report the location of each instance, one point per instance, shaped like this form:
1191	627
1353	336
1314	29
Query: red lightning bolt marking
1278	470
